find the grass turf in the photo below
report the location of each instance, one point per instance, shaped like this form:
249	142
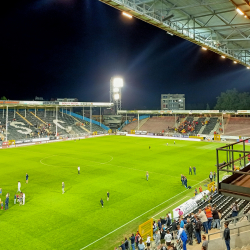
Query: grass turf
52	220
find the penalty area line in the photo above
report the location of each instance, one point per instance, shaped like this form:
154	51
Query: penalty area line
134	219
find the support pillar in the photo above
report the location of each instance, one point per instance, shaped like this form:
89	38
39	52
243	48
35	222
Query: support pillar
83	112
6	137
56	121
45	113
3	113
25	112
90	120
138	122
14	113
100	115
35	111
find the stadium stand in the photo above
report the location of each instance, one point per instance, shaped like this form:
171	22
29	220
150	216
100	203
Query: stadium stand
238	126
158	124
25	125
210	127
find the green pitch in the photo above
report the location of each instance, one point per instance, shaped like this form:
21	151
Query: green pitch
52	220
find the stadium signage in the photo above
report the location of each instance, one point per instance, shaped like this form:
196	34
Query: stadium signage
31	102
228	111
9	102
243	111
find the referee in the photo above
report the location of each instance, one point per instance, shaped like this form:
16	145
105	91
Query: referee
108	196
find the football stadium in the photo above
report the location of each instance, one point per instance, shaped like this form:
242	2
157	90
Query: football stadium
92	175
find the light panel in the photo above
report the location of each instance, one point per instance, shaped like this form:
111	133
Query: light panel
116	90
117	82
127	15
116	96
240	11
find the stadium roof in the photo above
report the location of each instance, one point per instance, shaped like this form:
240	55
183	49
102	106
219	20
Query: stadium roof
51	104
222	26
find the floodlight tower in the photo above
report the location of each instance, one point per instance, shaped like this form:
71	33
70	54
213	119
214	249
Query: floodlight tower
116	84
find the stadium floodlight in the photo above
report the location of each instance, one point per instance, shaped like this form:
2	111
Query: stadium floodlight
235	62
117	82
204	48
116	90
240	11
116	96
223	56
248	67
127	15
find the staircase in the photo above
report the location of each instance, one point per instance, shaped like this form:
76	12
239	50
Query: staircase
203	127
38	118
24	119
82	127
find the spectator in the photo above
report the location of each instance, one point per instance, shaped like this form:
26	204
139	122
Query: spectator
132	240
182	235
154	228
226	235
157	238
141	245
189	229
7	202
159	224
122	246
126	243
137	238
211	176
200	189
235	209
168	238
209	215
197	228
201	215
214	176
148	241
194	169
216	218
205	242
162	236
185	181
190	170
168	221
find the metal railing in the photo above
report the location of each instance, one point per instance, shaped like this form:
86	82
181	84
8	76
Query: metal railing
235	219
238	231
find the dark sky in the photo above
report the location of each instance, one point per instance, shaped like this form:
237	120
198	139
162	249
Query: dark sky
71	48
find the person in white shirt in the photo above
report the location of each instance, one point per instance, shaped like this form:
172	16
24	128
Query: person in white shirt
19	186
78	169
148	241
168	238
170	216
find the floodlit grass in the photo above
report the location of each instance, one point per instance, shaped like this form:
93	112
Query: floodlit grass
52	220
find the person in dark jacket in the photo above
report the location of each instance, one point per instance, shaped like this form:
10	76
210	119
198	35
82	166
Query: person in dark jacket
159	224
216	218
126	243
162	236
122	246
189	229
226	236
185	181
7	202
197	227
132	240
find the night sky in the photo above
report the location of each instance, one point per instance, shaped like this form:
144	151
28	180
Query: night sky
71	48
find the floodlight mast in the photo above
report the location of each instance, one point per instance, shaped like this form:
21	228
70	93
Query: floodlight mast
116	84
